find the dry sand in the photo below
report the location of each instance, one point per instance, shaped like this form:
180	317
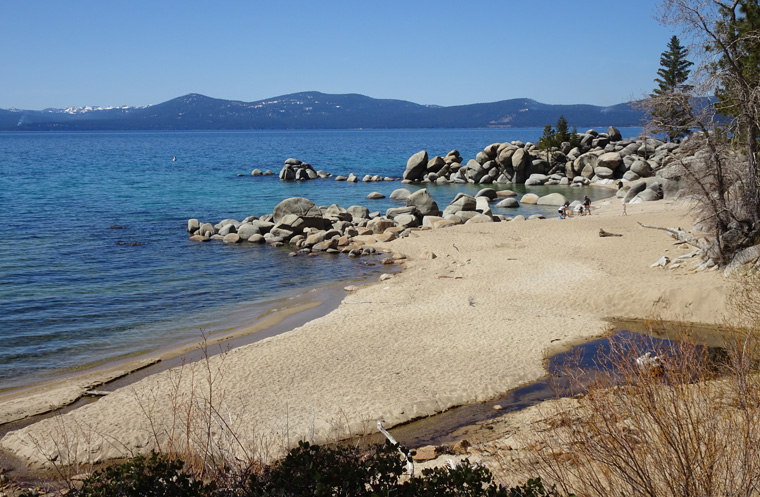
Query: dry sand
472	323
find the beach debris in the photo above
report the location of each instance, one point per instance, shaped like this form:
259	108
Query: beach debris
96	393
461	446
603	233
409	461
661	262
351	288
426	453
650	362
385	276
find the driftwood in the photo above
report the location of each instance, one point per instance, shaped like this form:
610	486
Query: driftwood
603	233
409	462
679	234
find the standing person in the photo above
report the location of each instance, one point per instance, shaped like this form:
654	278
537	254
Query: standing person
620	185
587	204
624	212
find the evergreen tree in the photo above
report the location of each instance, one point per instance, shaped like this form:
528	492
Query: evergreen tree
671	110
553	139
674	70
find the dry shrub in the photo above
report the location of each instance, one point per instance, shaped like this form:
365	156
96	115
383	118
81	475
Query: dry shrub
687	425
201	428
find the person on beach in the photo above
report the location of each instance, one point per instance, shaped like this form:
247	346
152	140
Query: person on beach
620	185
561	210
587	205
624	212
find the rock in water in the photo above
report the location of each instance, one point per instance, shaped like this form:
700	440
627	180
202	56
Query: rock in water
424	203
416	166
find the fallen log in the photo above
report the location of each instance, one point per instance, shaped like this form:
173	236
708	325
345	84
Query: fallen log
603	233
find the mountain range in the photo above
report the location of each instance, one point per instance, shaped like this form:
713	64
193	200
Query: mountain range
314	110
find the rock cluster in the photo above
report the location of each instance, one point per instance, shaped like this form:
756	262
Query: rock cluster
297	170
307	227
599	157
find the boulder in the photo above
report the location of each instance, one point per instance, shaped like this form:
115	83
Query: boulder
397	211
480	218
435	164
375	196
193	225
506	193
231	238
642	168
406	220
634	191
428	221
614	134
489	193
551	199
604	172
482	205
358	212
416	166
529	198
536	179
257	172
336	213
301	207
400	194
424	203
247	230
508	203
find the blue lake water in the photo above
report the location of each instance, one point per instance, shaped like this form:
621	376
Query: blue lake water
73	291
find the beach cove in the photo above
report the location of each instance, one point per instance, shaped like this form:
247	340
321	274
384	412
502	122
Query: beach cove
467	324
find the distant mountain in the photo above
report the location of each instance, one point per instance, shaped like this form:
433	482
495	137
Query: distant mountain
314	110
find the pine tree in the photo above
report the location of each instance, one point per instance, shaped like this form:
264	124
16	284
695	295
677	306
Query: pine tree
675	69
671	111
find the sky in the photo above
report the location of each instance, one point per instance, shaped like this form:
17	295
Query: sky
133	52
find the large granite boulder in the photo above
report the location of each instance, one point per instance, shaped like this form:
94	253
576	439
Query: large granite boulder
529	198
424	203
247	230
302	207
416	166
642	168
510	203
358	212
490	193
400	194
611	160
462	202
552	199
634	190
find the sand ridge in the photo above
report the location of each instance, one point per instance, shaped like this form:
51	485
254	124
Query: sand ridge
472	323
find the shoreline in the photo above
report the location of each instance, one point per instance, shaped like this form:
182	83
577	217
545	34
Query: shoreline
19	403
447	334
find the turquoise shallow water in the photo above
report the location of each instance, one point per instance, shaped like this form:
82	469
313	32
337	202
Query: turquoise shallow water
73	291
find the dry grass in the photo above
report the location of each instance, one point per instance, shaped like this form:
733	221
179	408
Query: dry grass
689	425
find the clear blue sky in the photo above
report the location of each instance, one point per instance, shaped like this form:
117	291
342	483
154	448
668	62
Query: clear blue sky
69	53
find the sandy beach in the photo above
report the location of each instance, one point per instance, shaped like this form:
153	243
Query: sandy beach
473	322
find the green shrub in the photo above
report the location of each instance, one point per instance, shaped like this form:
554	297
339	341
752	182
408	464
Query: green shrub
157	476
309	470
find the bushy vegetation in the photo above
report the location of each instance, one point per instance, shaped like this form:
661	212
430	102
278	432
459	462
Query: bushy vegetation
553	139
307	470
